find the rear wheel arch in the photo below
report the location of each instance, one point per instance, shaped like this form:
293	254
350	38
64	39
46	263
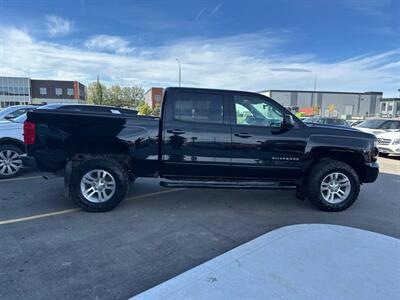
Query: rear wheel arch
16	143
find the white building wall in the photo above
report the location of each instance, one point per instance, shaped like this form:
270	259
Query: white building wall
358	104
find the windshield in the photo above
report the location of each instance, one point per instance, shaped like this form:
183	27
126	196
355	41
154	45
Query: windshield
20	119
6	111
373	124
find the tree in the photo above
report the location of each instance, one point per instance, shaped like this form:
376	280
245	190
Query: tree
157	110
96	92
144	109
131	97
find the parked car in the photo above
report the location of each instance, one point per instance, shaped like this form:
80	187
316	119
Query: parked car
376	126
353	123
15	111
327	121
201	140
389	143
11	133
11	146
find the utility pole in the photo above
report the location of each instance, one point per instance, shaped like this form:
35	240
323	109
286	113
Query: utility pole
179	71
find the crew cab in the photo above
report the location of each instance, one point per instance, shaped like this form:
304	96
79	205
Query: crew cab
205	138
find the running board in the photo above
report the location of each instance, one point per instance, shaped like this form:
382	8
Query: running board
262	185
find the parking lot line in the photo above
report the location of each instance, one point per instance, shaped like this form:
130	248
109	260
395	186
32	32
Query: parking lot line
20	178
66	211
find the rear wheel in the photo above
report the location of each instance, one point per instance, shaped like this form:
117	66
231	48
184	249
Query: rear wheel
332	185
99	185
10	161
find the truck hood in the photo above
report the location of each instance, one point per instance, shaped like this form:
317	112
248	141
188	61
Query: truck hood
340	131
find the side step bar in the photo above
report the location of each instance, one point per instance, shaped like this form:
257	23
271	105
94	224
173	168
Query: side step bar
262	185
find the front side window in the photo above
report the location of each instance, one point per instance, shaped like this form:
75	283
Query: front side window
43	91
199	107
254	111
58	91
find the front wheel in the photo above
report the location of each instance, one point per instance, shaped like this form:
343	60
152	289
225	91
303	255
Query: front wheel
383	154
99	185
332	185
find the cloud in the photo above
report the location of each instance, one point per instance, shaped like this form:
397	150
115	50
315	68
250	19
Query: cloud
253	61
199	14
58	26
216	9
374	8
108	43
291	70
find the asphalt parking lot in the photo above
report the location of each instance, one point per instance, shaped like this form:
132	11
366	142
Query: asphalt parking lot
51	249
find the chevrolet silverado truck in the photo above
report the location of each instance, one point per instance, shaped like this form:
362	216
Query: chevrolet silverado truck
204	138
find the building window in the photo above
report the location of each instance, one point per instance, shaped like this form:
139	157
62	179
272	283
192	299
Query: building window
43	91
58	91
383	107
158	98
70	92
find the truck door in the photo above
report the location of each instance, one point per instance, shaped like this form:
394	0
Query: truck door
196	134
259	148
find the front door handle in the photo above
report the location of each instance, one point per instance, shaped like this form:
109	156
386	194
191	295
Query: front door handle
243	135
176	131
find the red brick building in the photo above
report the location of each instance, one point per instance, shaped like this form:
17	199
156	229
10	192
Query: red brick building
153	96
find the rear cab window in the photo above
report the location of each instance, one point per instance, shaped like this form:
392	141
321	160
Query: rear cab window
199	108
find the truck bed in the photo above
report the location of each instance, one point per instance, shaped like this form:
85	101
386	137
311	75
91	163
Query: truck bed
59	135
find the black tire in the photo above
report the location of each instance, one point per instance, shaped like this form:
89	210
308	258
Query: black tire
317	175
5	147
383	154
117	171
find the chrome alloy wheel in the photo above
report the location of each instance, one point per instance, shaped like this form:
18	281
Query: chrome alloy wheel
10	162
98	186
335	187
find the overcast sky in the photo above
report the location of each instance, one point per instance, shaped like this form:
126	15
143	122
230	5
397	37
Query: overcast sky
351	45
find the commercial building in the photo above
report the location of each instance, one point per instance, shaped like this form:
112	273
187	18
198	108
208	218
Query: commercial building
57	91
329	103
14	91
153	96
23	90
390	107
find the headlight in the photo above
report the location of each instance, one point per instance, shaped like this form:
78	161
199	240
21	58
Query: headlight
395	142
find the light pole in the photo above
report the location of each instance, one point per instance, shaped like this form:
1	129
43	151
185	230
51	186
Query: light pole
179	71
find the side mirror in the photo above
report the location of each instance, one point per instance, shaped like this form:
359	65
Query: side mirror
9	117
288	122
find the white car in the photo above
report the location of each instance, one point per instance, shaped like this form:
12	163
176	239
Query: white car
389	143
15	111
377	126
11	146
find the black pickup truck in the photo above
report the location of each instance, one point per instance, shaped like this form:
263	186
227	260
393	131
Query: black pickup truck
205	138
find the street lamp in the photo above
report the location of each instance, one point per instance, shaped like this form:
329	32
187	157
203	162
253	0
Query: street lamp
179	71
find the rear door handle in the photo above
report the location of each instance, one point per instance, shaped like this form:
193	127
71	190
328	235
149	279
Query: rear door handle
176	131
243	135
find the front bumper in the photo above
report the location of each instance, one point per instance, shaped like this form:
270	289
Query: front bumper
371	172
389	149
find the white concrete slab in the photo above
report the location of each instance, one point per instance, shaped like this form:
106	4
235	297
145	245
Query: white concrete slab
310	261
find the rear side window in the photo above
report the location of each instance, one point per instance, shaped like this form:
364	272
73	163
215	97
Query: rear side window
199	107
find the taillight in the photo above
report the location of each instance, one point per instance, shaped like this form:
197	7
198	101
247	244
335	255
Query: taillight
29	133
